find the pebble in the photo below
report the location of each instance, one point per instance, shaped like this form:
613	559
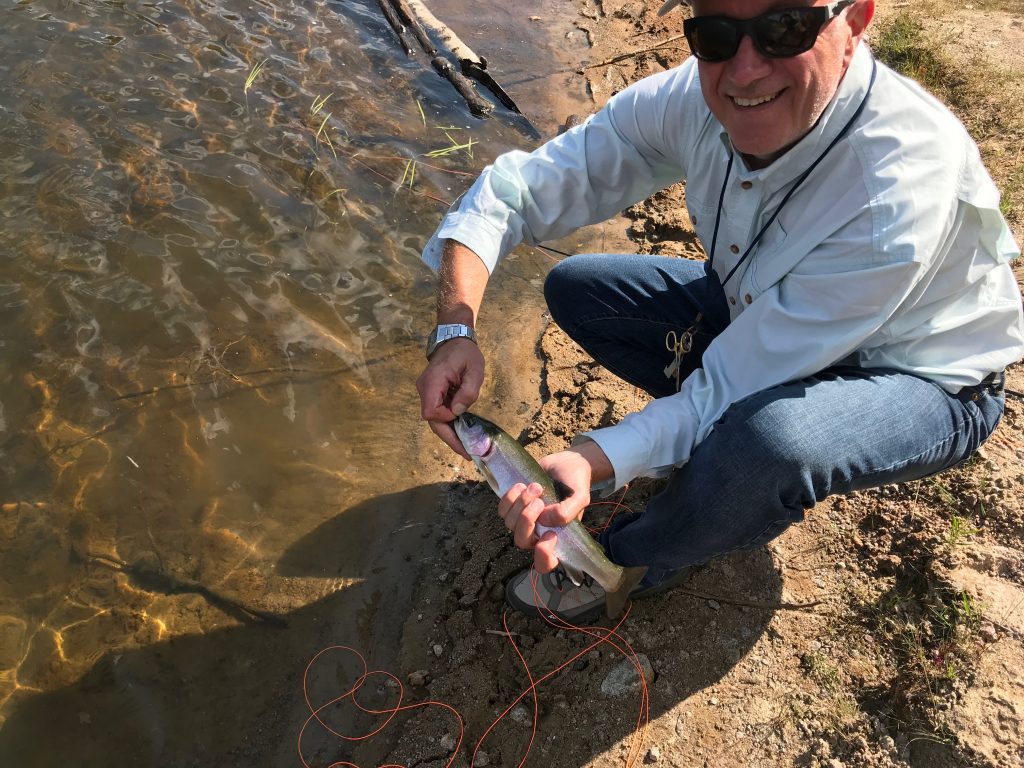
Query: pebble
714	605
481	759
438	649
419	677
521	715
623	678
988	633
681	727
447	742
653	755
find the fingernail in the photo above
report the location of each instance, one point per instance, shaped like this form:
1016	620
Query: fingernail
458	409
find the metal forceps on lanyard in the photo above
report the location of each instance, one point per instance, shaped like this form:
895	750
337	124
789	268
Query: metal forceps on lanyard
679	344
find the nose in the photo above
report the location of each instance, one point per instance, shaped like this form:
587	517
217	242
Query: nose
748	65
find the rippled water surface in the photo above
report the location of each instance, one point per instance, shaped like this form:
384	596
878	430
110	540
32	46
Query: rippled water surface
211	312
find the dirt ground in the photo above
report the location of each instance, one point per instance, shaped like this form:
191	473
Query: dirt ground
886	630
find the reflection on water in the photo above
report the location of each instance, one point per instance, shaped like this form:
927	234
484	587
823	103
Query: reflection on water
210	306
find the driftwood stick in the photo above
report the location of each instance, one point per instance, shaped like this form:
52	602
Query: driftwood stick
477	104
770	606
451	41
396	24
624	56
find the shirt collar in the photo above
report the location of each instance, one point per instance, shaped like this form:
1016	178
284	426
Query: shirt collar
852	89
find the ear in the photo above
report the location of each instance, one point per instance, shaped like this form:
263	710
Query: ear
858	16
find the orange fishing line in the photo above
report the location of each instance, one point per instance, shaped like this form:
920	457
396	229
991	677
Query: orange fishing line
391	712
602	635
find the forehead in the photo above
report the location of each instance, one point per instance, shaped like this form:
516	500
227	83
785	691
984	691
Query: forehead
745	9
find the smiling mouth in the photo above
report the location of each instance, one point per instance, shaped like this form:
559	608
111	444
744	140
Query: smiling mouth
755	102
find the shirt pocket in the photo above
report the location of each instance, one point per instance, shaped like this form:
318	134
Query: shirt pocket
770	262
702	217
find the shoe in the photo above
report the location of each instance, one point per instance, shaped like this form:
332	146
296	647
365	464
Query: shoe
558	598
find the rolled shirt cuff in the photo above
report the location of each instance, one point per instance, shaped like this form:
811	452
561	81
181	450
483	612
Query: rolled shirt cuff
627	452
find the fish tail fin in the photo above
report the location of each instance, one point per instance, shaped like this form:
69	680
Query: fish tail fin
615	601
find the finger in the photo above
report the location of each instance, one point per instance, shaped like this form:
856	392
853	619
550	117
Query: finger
505	502
433	386
565	512
444	431
525	525
544	559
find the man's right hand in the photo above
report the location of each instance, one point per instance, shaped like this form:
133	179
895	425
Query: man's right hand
448	386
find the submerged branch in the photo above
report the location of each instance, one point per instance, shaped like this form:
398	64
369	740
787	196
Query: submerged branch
157	580
624	56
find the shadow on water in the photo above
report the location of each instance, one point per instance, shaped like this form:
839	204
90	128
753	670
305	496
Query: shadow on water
233	696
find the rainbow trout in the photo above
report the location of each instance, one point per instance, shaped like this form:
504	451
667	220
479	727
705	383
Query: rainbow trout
504	462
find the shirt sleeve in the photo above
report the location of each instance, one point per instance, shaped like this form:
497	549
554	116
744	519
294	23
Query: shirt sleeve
621	155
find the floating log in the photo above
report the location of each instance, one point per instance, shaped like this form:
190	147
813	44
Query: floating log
478	105
418	18
414	24
471	64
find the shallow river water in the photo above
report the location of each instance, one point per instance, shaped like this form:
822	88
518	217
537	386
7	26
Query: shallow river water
212	311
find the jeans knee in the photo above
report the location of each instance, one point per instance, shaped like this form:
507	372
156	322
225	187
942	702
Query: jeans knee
568	291
760	457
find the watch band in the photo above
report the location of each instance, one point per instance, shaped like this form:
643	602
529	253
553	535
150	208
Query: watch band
447	332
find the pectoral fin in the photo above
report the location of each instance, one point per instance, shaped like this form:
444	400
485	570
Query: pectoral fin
576	576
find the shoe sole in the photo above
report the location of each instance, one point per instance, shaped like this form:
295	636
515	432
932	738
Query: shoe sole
594	613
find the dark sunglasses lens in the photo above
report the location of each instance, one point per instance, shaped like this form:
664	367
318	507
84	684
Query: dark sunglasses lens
786	33
712	39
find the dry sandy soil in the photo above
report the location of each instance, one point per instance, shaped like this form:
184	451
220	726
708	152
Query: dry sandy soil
886	630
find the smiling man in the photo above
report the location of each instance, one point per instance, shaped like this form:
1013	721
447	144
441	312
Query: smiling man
851	324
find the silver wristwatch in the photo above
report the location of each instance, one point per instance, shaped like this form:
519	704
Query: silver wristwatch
447	332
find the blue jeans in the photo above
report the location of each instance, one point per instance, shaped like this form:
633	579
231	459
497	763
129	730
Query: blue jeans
772	455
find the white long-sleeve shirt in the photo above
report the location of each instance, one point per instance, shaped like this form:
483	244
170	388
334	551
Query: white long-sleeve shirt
891	254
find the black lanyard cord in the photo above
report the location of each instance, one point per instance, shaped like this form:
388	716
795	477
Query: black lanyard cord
799	181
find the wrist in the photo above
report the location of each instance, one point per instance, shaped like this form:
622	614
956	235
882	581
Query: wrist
445	332
601	468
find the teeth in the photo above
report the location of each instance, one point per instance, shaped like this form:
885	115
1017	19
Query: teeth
753	102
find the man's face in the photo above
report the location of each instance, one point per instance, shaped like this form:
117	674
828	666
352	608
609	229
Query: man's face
767	105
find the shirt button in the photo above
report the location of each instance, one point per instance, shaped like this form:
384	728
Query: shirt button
746	184
747	298
734	248
732	300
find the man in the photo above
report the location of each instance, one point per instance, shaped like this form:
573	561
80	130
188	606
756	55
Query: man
850	328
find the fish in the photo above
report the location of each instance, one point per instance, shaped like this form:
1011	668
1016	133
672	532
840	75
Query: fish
504	462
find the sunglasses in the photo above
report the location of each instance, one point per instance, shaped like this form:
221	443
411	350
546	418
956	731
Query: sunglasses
776	34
